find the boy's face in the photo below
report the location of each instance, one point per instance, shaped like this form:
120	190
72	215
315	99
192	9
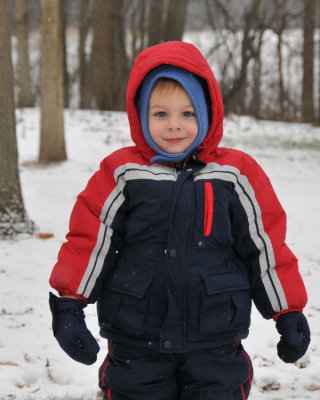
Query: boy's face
172	122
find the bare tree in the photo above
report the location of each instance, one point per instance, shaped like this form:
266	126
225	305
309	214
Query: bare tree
281	94
241	44
175	20
119	59
52	143
236	95
142	14
308	61
13	218
84	22
238	41
66	81
155	22
25	96
318	13
101	53
104	74
279	26
137	24
254	108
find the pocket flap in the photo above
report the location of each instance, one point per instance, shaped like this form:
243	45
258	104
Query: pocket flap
225	282
129	282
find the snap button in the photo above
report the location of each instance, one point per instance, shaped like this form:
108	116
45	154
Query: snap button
167	344
172	253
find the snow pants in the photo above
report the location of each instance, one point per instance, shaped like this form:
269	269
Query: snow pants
131	373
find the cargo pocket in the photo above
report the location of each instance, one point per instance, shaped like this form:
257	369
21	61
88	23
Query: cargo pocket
126	300
226	303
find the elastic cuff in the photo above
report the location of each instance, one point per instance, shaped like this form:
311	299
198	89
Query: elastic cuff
68	293
277	315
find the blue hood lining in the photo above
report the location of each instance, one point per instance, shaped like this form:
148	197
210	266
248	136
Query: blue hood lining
196	92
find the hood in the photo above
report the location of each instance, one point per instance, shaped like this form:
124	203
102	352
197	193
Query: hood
187	56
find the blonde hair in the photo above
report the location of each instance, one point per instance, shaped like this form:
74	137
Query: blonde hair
166	85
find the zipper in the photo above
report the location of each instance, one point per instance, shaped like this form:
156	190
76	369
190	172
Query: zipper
185	189
187	257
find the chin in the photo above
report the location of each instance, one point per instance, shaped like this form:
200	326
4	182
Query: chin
174	151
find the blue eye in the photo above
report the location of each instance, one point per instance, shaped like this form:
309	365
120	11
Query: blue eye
160	114
188	114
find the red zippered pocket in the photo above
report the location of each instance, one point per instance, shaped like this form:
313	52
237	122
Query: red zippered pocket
208	208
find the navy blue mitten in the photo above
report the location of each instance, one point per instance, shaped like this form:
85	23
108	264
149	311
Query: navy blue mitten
295	336
70	330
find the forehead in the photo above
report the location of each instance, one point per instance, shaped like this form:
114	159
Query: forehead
168	88
166	85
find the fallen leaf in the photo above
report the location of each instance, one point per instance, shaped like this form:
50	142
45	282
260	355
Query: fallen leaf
313	388
10	363
270	387
43	235
17	326
20	386
3	311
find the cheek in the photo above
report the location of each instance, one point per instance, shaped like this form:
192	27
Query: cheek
155	129
194	130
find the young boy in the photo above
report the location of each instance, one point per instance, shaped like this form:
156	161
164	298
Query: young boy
173	238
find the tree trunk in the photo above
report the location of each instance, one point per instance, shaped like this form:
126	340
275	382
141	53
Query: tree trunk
308	62
318	8
176	15
235	98
13	218
84	101
120	63
256	94
142	7
25	96
281	80
101	61
52	144
155	26
66	80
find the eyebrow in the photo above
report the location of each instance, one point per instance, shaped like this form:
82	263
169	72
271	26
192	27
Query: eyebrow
164	106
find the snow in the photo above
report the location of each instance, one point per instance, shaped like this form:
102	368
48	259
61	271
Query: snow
32	365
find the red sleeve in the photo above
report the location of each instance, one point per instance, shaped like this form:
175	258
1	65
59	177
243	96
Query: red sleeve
89	240
260	223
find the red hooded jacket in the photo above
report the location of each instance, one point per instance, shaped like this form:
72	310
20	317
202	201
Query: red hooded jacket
174	258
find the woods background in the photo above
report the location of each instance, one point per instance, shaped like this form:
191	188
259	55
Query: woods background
241	36
57	54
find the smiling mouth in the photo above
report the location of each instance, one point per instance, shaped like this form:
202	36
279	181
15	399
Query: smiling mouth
175	140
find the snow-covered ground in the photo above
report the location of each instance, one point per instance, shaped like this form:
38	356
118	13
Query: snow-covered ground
32	365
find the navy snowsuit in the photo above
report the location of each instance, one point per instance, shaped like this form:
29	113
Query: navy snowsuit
174	256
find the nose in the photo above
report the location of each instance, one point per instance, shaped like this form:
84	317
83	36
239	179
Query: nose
173	124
